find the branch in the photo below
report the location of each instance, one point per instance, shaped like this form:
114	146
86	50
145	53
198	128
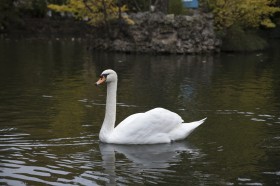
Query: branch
87	6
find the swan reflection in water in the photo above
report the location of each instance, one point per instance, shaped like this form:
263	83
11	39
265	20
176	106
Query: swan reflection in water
151	158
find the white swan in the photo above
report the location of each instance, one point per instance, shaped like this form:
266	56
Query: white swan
155	126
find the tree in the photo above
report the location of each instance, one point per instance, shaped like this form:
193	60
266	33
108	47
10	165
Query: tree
247	13
95	12
238	22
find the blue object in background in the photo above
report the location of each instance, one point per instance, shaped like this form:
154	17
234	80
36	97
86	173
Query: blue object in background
190	3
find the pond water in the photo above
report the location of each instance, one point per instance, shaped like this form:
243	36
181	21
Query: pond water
51	114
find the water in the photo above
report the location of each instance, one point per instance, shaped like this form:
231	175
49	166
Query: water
51	113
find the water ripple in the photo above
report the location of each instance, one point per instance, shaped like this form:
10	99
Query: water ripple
254	116
21	157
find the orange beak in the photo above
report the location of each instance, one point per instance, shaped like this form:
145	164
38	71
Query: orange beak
101	80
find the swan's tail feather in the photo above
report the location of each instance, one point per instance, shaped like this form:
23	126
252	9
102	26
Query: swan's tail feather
196	123
185	129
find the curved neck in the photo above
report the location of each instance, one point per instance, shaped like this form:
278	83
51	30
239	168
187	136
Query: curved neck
110	114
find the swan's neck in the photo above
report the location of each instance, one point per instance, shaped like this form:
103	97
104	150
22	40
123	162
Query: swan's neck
110	113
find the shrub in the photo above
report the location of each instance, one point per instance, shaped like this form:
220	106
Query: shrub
237	39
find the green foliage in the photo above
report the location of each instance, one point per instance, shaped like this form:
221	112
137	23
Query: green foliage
175	7
247	13
239	40
95	11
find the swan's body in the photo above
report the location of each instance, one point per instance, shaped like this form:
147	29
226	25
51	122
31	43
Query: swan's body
155	126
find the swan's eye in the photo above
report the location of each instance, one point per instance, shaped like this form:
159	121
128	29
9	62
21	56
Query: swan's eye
103	75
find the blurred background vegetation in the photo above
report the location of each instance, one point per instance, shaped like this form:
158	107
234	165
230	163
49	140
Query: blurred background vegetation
242	24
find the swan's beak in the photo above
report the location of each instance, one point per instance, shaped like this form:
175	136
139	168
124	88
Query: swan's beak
101	80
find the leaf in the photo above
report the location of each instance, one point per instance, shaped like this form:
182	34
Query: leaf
248	13
95	11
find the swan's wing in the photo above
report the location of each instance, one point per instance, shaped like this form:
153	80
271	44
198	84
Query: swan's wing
129	119
148	126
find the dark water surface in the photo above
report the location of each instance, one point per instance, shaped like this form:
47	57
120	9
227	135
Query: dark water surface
51	113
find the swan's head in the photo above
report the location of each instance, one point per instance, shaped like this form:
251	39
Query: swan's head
107	76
